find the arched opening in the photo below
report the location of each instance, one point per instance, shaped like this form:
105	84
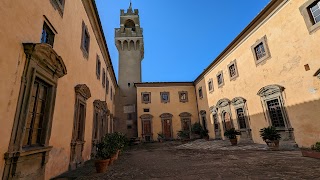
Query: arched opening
130	24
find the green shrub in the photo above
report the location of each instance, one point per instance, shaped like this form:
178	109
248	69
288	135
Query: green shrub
196	128
184	134
269	133
316	147
231	133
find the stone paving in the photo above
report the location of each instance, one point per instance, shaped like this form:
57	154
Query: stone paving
204	160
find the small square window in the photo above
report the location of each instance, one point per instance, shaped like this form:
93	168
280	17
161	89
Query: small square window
146	110
310	11
233	70
47	35
210	85
200	92
220	79
146	97
85	41
165	97
183	96
260	50
98	67
129	126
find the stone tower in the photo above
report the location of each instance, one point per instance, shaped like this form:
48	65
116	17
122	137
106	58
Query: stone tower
129	42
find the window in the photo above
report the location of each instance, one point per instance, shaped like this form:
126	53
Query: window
85	40
165	97
275	112
31	130
200	93
146	110
210	85
103	77
220	79
185	121
111	94
47	35
183	96
107	84
260	50
37	113
129	126
233	70
58	5
98	67
146	97
310	11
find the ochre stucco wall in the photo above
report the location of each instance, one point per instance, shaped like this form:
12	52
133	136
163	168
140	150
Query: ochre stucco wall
175	107
23	22
291	47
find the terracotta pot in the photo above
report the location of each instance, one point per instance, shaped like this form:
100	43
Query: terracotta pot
273	144
234	142
102	165
310	153
112	159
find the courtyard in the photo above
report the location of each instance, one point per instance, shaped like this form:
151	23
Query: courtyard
204	160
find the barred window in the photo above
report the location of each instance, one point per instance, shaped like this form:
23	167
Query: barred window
260	51
275	113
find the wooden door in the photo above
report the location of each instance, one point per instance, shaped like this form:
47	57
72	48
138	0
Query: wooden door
146	127
167	129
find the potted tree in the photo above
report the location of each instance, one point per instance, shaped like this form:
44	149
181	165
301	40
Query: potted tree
271	136
313	152
232	135
196	130
105	150
204	134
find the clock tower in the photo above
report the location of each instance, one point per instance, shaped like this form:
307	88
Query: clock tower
129	42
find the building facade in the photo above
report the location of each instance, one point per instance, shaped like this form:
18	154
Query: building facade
165	108
57	87
268	76
129	42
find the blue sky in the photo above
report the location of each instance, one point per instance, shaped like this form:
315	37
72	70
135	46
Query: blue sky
181	37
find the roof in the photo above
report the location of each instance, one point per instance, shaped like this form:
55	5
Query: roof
163	84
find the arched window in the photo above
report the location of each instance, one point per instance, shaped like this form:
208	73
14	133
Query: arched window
130	24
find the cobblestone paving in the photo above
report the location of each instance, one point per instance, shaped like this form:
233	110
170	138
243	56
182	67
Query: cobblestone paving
214	160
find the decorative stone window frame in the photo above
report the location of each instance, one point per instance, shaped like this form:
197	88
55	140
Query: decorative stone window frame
222	83
234	62
305	12
272	92
223	106
164	117
98	67
185	117
100	122
200	92
212	87
144	118
180	96
264	42
168	95
58	6
240	103
82	47
44	63
145	93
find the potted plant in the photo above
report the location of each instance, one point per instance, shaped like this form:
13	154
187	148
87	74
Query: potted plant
313	152
232	135
160	137
271	136
105	150
184	135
